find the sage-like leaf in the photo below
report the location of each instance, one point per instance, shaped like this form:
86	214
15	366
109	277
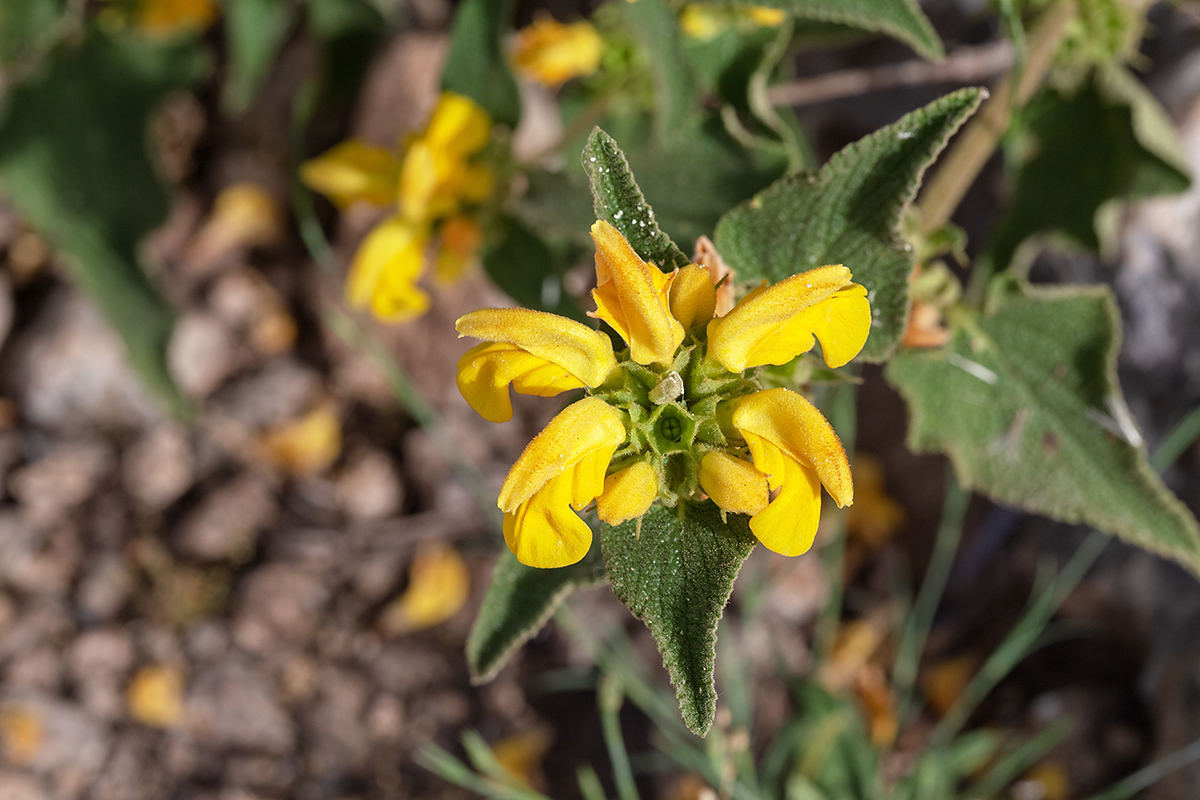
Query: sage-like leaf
674	568
901	19
476	65
848	213
1025	402
519	601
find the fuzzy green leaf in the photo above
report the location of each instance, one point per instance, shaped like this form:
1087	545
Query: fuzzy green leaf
674	569
848	213
1025	402
529	271
619	202
653	24
901	19
1110	140
95	196
519	601
24	25
476	65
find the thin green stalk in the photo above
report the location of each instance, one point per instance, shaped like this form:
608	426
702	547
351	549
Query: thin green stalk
1127	788
589	783
975	145
842	412
1021	640
609	698
920	619
1181	437
360	338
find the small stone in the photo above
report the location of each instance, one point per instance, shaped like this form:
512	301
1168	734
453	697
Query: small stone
72	373
228	521
36	669
280	392
202	354
368	488
385	719
37	561
288	602
20	786
158	468
105	587
97	663
230	705
54	484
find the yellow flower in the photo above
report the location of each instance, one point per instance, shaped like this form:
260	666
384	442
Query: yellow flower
429	187
161	18
561	469
676	417
706	21
438	586
552	53
353	171
385	269
437	175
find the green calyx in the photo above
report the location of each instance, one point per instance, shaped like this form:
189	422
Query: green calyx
672	414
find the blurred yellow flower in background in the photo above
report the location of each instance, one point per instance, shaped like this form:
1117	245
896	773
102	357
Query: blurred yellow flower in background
551	53
155	696
438	586
706	21
161	18
432	186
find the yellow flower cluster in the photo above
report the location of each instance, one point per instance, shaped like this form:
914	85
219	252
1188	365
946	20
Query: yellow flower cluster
706	21
677	416
551	53
431	187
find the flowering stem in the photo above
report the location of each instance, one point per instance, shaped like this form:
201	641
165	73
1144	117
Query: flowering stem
978	141
352	331
609	698
920	617
842	408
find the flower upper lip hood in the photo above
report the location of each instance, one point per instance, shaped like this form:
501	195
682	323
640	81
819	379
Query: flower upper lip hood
552	53
633	297
679	416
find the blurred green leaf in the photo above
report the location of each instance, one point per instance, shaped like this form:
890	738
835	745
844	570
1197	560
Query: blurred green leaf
476	65
256	30
901	19
652	23
74	162
850	212
23	24
1110	140
519	601
674	568
1026	404
529	271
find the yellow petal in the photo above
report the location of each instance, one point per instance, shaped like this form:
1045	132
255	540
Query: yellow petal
155	696
459	239
458	126
788	525
419	180
306	446
765	16
795	426
486	370
521	754
583	352
22	733
385	269
438	586
165	17
773	325
628	493
543	531
733	484
693	296
586	427
551	53
702	21
353	171
632	297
